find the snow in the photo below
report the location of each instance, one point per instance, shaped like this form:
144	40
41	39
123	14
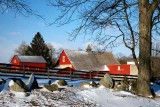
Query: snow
6	86
44	89
31	81
110	98
56	82
75	96
87	86
11	83
19	94
105	68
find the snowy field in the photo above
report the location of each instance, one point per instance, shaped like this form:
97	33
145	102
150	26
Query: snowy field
76	96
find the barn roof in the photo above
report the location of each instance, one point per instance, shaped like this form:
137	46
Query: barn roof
82	60
34	59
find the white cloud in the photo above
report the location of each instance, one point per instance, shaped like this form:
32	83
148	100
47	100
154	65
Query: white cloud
59	45
15	33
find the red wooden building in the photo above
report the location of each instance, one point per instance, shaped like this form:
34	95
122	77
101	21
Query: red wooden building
123	69
94	61
86	60
36	63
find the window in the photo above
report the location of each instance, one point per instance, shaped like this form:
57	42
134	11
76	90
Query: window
63	59
15	61
119	68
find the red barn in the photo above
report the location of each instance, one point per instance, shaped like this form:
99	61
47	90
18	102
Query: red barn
36	63
123	69
86	60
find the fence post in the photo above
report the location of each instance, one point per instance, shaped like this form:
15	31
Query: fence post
98	74
90	75
48	73
23	71
70	74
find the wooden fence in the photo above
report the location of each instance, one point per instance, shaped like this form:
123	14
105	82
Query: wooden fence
67	72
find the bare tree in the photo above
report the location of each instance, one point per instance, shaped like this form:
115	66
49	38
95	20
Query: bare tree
134	19
52	53
156	49
97	16
22	49
59	51
18	7
122	58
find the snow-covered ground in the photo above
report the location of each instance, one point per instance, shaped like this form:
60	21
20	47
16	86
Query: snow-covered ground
109	98
76	96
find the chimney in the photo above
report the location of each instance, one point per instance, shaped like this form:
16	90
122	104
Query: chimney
89	49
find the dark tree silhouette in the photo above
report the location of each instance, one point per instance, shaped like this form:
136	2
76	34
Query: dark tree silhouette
40	48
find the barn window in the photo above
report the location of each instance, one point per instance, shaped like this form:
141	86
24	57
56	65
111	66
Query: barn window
119	68
63	59
14	61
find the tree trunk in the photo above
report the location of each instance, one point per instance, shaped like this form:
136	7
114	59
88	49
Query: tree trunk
135	58
145	22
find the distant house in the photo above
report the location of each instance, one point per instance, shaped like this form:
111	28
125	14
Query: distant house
123	69
36	63
128	68
86	60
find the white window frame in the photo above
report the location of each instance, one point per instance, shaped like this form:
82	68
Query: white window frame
119	68
63	58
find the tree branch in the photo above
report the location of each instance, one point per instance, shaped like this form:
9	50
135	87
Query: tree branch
18	6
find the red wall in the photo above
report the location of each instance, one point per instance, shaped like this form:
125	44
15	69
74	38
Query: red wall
66	62
39	66
123	69
15	61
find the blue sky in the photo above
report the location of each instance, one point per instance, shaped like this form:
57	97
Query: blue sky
15	29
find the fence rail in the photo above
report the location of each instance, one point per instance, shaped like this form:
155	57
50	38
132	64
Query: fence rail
18	69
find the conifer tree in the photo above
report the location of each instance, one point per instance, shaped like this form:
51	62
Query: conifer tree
39	48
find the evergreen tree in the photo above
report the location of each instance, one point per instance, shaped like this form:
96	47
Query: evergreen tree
37	45
39	48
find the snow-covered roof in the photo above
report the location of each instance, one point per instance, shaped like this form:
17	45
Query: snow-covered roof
83	60
35	59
